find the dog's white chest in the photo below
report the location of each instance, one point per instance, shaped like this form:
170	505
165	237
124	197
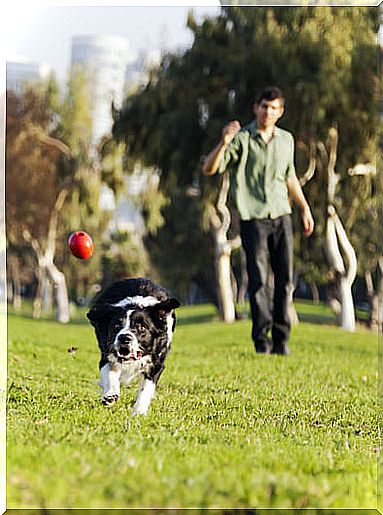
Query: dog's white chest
131	370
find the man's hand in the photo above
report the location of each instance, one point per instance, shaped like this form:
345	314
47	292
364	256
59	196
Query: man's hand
307	221
296	195
211	164
229	131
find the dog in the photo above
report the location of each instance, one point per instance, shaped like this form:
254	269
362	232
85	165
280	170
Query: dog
134	321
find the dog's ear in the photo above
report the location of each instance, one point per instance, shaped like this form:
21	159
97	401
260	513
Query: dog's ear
163	308
103	313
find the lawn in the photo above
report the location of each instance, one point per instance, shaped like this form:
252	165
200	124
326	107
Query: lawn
227	429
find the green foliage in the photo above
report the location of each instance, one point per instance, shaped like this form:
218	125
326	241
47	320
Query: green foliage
76	119
152	201
111	159
123	256
365	221
82	210
295	433
179	249
30	182
49	150
322	60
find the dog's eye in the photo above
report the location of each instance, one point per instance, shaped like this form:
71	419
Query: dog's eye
140	328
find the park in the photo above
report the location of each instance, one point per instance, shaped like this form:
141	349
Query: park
228	428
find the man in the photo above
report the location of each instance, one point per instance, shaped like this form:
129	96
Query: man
260	160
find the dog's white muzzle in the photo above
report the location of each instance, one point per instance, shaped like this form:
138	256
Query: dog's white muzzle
126	346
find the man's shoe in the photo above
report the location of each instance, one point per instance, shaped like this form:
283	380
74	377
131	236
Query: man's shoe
263	347
281	349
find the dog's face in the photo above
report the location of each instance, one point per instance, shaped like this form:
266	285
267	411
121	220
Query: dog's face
132	332
133	335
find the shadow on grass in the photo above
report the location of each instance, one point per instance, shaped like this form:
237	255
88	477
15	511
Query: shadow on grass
197	319
313	318
206	313
322	314
27	316
208	511
197	314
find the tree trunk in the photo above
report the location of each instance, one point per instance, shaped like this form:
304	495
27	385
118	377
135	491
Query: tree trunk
347	315
314	292
294	319
336	239
293	315
242	311
16	294
244	280
47	268
57	278
60	293
344	280
42	302
225	291
371	299
41	277
47	297
16	285
375	298
220	220
375	313
379	295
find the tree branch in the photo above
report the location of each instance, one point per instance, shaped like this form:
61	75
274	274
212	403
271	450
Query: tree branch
367	169
39	134
348	249
333	177
52	229
333	253
309	174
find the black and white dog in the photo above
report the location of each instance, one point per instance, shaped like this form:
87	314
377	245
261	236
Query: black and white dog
134	320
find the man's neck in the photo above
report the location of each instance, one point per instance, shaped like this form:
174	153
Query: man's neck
266	133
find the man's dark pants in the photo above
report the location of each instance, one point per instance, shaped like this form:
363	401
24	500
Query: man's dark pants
269	242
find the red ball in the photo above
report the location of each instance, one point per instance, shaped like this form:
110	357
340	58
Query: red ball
81	244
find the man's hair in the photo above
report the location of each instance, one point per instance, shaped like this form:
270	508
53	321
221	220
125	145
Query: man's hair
271	93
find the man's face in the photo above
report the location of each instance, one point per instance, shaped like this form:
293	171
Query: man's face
268	112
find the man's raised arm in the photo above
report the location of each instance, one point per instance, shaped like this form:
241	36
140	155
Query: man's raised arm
213	160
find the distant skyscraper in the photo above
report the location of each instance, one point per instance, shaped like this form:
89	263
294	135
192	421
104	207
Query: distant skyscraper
104	59
138	70
20	73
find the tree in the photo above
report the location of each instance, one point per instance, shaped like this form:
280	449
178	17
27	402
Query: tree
344	270
93	168
320	58
364	224
33	200
220	220
54	183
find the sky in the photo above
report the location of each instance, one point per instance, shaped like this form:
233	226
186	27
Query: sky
40	32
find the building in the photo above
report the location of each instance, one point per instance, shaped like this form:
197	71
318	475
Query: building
137	73
20	73
113	69
104	58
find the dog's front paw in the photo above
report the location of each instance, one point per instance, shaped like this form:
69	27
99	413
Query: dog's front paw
108	400
139	411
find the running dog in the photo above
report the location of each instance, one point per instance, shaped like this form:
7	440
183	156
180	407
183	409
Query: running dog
134	321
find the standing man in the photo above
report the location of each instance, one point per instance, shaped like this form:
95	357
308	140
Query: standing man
260	159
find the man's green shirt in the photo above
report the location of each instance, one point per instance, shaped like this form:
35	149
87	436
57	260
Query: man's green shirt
259	172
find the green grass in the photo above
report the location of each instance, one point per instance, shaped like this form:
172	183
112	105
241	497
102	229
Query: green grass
320	313
227	429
